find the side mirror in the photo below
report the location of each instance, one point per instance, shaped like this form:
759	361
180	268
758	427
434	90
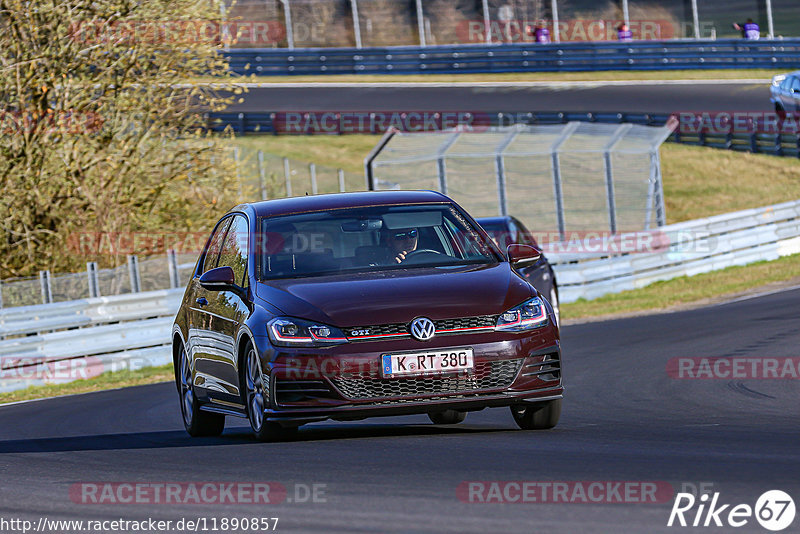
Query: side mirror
522	255
219	279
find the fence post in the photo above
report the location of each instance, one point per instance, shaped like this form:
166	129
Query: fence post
356	23
262	177
618	134
695	20
287	17
770	28
238	172
487	22
91	275
625	13
420	24
568	130
133	271
287	174
44	283
312	171
441	165
554	9
341	181
172	264
500	169
1	294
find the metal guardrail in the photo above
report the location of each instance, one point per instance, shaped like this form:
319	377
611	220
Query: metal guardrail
79	339
777	144
64	341
682	249
574	56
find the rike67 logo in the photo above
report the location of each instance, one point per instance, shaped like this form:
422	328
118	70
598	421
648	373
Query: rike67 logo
774	510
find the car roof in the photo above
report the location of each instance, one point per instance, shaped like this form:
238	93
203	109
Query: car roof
286	206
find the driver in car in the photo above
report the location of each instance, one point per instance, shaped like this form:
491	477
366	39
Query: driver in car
401	242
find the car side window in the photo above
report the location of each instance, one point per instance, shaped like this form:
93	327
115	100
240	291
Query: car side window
795	84
215	245
235	249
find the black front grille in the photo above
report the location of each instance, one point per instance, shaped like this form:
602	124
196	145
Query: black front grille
292	391
402	329
466	322
497	374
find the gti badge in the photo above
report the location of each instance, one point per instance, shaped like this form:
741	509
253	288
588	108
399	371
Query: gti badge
422	328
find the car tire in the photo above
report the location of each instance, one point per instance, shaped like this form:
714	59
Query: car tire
780	111
255	399
197	422
447	417
537	416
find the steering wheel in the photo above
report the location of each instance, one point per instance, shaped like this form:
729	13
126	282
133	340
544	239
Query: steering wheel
421	251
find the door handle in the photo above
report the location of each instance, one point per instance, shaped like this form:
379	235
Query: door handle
202	302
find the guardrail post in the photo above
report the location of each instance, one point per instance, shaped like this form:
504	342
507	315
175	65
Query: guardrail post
91	275
172	264
312	171
340	172
262	177
44	284
287	174
1	294
242	120
133	272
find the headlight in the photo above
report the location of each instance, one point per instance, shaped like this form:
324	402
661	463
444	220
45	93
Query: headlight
291	332
528	315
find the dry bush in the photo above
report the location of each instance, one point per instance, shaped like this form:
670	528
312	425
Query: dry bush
97	137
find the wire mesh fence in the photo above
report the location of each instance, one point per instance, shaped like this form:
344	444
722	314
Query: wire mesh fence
560	179
367	23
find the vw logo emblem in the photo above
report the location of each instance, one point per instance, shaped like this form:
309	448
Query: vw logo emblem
422	328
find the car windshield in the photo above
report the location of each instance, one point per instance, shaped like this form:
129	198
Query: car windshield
367	239
499	233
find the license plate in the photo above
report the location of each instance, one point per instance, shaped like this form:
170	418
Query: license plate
434	361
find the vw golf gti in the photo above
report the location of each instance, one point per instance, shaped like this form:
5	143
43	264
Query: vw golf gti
356	305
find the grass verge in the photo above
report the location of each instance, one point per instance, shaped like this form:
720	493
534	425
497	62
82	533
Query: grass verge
698	289
611	75
109	380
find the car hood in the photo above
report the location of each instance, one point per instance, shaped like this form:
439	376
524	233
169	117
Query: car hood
398	296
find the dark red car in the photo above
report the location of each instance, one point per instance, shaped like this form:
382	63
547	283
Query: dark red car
357	305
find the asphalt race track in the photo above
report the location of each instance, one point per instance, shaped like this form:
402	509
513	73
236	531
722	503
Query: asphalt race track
624	419
644	97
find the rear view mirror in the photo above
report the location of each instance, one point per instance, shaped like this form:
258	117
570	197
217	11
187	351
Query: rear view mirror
219	279
362	225
523	255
